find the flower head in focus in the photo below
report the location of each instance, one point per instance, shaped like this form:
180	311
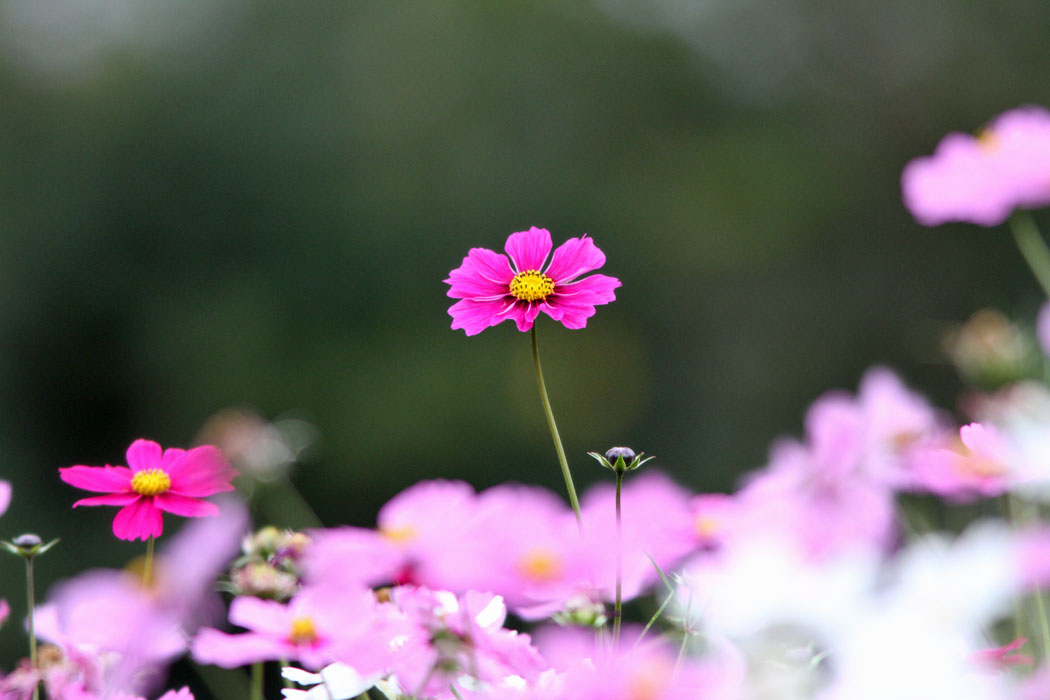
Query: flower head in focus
172	480
493	288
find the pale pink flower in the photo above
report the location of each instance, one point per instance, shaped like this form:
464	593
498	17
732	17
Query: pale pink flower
5	496
317	627
983	179
174	480
650	670
658	522
458	636
978	464
425	536
493	288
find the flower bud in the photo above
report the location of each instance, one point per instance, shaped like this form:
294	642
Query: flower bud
28	545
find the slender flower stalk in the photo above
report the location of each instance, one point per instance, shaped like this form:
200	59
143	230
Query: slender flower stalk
1032	246
257	681
554	431
27	547
147	569
616	460
618	606
30	606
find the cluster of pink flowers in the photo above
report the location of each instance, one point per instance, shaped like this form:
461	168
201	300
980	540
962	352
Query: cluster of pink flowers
811	580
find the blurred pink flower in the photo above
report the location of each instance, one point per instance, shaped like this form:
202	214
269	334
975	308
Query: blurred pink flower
650	670
317	627
5	496
977	465
983	179
424	537
174	481
1003	657
454	636
493	288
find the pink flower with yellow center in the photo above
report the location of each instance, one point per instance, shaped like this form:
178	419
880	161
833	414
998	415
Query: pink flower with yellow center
493	288
172	480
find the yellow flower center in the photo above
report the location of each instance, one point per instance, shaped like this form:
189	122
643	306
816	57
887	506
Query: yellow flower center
303	631
150	482
706	526
400	533
531	285
540	565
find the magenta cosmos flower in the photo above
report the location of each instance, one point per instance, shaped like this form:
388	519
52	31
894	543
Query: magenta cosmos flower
174	480
493	288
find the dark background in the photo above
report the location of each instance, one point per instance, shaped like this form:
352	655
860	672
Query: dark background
255	203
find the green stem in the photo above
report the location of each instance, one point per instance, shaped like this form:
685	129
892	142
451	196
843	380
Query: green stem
147	569
618	607
257	680
31	605
554	431
1032	247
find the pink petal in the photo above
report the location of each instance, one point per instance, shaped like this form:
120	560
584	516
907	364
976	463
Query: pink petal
110	499
138	521
528	250
264	616
183	505
200	472
5	610
574	257
475	316
484	273
233	650
180	694
5	496
170	456
596	289
106	479
144	454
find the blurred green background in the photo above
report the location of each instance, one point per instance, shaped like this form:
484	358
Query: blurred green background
206	205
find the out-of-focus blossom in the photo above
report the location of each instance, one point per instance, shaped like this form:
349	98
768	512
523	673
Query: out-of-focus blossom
824	512
5	496
1021	415
916	635
317	627
458	639
990	350
336	681
649	670
713	519
658	522
106	611
979	464
983	179
999	658
424	536
492	288
111	629
174	480
5	610
256	446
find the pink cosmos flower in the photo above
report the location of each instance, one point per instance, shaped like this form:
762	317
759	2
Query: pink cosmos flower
5	496
979	464
317	627
492	288
983	179
174	480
